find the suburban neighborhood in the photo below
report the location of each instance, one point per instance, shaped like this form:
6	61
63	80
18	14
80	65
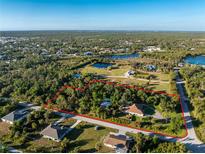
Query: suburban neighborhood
86	76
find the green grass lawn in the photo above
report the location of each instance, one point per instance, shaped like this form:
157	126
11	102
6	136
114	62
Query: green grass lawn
153	86
85	137
114	72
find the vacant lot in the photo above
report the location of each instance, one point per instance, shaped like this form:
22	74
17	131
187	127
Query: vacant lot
43	145
4	128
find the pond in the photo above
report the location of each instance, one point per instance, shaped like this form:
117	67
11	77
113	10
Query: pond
197	60
77	76
123	56
102	65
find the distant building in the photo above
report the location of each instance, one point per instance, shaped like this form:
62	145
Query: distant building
59	52
135	109
15	116
151	67
105	103
44	52
55	132
129	73
118	142
192	49
181	64
151	49
88	53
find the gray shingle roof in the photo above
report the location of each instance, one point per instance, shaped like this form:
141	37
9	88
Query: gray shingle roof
55	131
15	115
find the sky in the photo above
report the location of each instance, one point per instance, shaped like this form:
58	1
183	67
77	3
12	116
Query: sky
143	15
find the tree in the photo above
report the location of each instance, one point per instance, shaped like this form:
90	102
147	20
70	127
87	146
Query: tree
133	118
65	145
138	143
34	125
170	147
3	149
47	116
98	146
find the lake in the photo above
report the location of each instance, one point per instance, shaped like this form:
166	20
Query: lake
197	60
123	56
102	65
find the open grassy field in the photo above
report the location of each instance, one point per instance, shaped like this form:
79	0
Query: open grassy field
156	75
132	81
114	72
123	68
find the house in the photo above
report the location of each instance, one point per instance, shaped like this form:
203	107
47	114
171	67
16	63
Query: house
44	52
135	109
59	52
129	73
55	132
151	49
192	49
118	142
105	103
15	116
181	65
151	67
88	53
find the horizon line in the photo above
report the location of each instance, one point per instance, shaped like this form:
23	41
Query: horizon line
108	30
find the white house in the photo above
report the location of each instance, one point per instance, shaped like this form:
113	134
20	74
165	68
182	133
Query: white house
151	49
129	73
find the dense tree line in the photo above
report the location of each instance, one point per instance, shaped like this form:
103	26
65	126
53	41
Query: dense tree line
147	144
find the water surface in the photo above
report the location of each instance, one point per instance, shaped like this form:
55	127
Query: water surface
102	65
123	56
197	60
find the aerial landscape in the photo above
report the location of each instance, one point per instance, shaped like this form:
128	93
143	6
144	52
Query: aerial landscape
98	77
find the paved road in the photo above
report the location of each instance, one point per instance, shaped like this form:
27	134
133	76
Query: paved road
114	126
191	141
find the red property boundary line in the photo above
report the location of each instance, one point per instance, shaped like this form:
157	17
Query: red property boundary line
119	85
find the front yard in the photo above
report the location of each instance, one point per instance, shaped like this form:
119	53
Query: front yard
84	138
